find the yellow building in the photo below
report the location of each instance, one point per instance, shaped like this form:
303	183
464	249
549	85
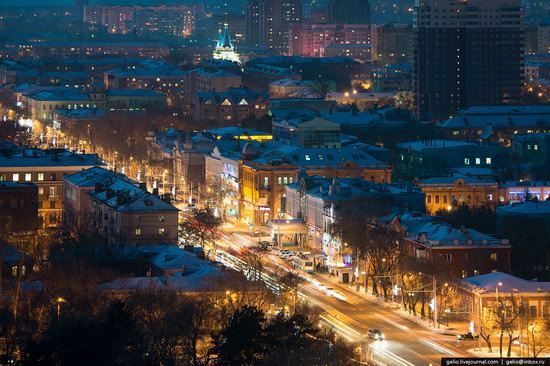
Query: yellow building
444	193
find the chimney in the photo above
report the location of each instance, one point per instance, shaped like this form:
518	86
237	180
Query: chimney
166	197
97	187
143	186
155	192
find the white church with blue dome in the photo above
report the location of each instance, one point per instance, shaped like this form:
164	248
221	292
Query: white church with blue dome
224	47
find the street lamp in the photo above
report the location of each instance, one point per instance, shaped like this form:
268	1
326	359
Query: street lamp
59	301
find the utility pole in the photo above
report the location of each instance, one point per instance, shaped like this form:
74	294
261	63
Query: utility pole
435	301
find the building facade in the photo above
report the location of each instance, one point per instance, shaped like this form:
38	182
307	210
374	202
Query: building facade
459	252
312	39
445	193
392	43
46	169
461	50
129	215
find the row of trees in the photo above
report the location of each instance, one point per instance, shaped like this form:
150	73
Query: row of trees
160	328
508	318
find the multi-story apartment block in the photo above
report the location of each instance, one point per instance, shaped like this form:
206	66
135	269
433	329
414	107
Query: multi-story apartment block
49	50
163	20
46	169
460	252
467	53
432	158
312	39
235	104
392	43
129	215
166	79
497	123
308	133
349	11
268	22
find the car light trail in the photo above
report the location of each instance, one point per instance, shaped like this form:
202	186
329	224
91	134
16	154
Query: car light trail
439	348
392	356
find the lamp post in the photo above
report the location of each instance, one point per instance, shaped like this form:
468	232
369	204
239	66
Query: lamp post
59	301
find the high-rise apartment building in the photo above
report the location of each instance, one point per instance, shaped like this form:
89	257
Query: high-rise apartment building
269	21
349	11
312	39
467	53
254	23
162	20
392	43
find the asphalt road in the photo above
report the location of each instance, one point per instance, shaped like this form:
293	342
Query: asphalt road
406	343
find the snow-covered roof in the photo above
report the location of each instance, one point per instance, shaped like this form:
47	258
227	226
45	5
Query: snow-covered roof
451	180
433	144
208	279
133	93
506	283
46	158
431	233
318	157
81	113
124	196
89	177
236	131
500	116
166	256
528	207
360	119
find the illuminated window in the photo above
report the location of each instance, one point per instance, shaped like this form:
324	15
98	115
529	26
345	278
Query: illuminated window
138	232
28	177
478	161
40	176
161	231
466	161
488	161
15	177
494	257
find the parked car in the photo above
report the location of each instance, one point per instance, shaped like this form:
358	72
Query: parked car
375	334
467	336
265	245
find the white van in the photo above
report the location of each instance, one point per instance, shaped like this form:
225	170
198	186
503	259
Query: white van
303	263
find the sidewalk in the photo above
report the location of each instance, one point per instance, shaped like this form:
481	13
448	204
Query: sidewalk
453	328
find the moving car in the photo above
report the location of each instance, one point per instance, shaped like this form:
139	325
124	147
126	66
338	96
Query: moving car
375	334
467	336
329	291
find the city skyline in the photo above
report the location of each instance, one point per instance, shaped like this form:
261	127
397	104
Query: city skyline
275	182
